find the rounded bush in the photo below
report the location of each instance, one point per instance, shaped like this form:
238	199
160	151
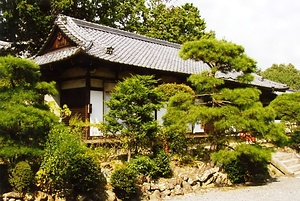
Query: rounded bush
124	184
21	177
162	163
245	163
143	165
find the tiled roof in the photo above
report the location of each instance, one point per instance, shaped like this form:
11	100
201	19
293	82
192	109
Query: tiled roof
257	81
128	48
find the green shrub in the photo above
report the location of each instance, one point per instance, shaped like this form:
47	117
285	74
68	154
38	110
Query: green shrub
69	168
21	177
143	165
162	163
156	167
245	163
84	174
294	141
124	181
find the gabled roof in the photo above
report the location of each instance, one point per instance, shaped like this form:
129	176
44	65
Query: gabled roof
126	48
123	47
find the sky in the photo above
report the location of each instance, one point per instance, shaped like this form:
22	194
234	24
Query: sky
269	30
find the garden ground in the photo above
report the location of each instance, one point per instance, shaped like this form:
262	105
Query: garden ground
279	189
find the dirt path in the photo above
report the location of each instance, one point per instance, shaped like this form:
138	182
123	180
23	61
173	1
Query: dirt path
282	189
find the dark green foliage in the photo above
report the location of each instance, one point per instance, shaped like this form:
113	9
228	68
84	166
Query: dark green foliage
143	165
25	119
4	183
85	174
22	177
156	167
245	163
27	23
236	171
170	89
287	108
69	168
176	121
220	55
131	113
174	23
294	141
286	74
124	184
162	162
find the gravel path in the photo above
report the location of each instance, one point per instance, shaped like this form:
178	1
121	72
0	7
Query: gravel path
282	189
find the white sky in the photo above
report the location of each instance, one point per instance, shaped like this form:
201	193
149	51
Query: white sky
269	30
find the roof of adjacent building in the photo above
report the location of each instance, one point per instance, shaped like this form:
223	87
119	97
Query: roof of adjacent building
123	47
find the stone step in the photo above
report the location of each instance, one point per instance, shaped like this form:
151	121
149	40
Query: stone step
294	168
288	163
297	174
291	162
283	156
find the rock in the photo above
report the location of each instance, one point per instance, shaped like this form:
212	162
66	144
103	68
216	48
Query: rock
41	196
172	183
28	197
178	181
221	179
167	192
147	186
154	186
209	181
196	187
193	180
183	176
141	179
208	173
111	196
12	196
178	190
57	198
186	187
156	195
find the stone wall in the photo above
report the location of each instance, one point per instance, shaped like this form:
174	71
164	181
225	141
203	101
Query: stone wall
184	180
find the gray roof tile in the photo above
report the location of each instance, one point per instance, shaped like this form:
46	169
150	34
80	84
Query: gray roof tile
128	48
257	81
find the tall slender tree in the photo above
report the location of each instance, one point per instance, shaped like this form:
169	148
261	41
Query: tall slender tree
131	112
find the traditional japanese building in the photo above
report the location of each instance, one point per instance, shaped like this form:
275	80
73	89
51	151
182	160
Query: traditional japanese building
87	60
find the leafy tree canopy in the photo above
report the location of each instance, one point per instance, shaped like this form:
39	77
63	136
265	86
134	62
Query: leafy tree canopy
24	118
177	24
27	23
286	74
220	55
131	111
222	110
287	107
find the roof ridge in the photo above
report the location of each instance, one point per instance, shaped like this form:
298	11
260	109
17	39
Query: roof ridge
122	32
